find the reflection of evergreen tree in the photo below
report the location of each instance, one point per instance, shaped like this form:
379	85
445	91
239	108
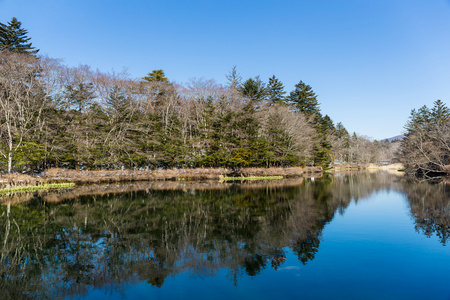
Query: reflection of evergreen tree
430	209
306	248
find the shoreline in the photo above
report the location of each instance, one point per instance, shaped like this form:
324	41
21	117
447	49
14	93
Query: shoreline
57	175
64	176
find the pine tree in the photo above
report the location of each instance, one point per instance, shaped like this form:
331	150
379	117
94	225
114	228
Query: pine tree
439	113
304	100
234	79
117	103
14	38
254	89
426	119
156	76
341	131
80	96
275	91
424	151
326	125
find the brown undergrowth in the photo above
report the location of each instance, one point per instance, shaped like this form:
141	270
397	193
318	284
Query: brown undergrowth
57	175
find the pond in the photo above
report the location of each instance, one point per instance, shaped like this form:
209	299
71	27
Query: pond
343	236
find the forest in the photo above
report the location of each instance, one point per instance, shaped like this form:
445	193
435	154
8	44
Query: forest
53	115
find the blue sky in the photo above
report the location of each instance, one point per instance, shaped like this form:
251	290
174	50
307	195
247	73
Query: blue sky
369	61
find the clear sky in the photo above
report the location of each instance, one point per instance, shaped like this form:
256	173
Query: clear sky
369	61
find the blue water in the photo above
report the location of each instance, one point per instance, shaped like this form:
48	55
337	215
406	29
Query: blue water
348	237
372	251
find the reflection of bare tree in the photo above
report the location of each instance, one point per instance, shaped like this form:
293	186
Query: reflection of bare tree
430	209
106	239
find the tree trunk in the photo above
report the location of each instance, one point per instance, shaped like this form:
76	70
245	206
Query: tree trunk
10	161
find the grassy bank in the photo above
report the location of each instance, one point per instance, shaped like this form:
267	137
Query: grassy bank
32	188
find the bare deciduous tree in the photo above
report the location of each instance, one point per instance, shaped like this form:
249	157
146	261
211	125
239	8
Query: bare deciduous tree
21	100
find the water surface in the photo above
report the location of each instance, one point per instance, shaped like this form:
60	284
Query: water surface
354	236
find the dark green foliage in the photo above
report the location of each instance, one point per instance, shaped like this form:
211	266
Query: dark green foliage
80	96
156	76
275	91
279	150
216	136
326	125
323	153
254	89
14	38
118	104
426	118
171	148
93	121
326	129
305	100
30	154
425	150
439	113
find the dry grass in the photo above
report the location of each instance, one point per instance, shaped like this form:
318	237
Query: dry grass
108	176
20	180
58	175
105	176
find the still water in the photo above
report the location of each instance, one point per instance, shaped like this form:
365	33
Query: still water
352	236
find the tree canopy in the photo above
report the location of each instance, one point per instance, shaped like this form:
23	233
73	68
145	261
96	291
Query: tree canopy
54	115
305	100
234	79
14	38
254	89
156	76
425	150
275	91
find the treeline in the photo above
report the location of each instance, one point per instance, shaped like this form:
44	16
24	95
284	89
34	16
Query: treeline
54	115
425	151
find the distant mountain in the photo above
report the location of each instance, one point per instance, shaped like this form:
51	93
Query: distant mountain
396	138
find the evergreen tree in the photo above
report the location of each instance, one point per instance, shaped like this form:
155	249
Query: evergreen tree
326	125
426	119
341	132
156	76
117	103
304	100
80	96
254	89
417	119
275	91
425	151
439	113
14	38
234	79
247	152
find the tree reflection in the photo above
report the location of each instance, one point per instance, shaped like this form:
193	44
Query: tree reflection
63	249
430	209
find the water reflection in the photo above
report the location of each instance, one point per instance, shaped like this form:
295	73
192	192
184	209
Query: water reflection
430	209
64	244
